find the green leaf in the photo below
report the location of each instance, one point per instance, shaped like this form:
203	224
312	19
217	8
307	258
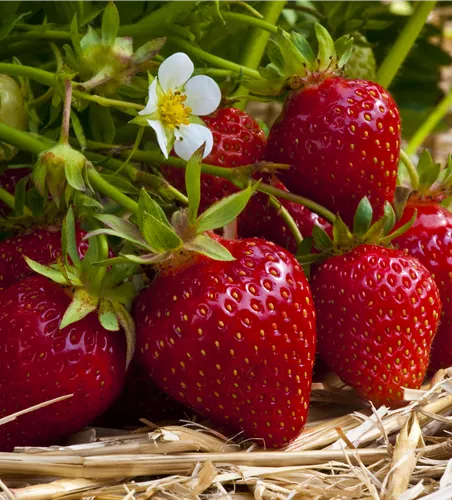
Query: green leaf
69	240
158	235
84	201
81	305
304	48
327	50
193	183
9	22
78	130
363	217
120	228
321	238
428	177
207	246
110	24
225	211
101	123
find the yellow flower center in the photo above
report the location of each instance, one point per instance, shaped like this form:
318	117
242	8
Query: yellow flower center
173	112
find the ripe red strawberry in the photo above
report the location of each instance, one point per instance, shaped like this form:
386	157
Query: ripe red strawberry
342	138
378	310
237	140
41	244
234	341
141	398
39	362
430	240
262	220
8	180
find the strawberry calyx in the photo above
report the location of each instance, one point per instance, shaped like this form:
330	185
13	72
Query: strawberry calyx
294	65
432	184
344	239
92	288
168	244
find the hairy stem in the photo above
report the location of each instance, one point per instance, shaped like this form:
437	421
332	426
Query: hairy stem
257	41
429	124
212	59
7	198
64	135
287	218
267	23
412	172
404	43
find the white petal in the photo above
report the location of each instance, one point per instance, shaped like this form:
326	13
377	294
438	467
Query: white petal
203	95
175	71
161	135
190	137
152	103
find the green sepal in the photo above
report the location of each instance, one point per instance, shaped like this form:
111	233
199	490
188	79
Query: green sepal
81	305
390	218
225	211
118	274
128	325
147	205
121	183
146	260
75	38
53	273
207	246
39	176
341	233
398	232
428	177
363	217
376	230
78	130
306	245
193	183
120	228
294	62
110	24
148	51
158	235
90	39
107	316
320	238
20	195
327	50
425	160
344	48
304	48
68	240
141	120
401	196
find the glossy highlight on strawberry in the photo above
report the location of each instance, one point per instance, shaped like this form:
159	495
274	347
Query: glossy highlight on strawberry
378	311
342	138
40	362
234	341
430	240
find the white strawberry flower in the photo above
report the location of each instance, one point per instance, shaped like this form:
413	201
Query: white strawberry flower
175	100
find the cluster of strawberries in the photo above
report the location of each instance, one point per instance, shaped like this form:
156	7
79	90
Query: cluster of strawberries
236	339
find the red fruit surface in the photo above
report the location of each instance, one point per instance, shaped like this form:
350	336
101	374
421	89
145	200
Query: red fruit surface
378	311
342	138
237	140
234	341
41	244
141	398
8	180
40	362
430	240
260	219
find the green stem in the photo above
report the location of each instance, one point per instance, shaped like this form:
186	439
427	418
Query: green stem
404	43
24	141
7	198
104	187
429	124
412	172
287	218
212	59
49	79
301	200
133	151
63	36
267	23
257	40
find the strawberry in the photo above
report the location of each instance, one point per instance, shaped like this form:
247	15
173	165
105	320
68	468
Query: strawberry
378	310
42	244
430	240
262	220
8	180
342	138
40	362
141	398
237	140
233	340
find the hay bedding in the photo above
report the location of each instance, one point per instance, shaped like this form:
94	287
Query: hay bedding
348	450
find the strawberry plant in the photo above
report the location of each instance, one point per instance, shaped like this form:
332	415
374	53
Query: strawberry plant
149	219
